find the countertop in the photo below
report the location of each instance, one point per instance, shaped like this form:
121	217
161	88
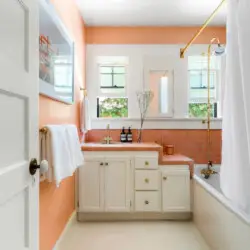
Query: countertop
121	147
176	159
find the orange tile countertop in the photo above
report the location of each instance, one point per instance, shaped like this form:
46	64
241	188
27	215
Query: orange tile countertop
121	147
176	159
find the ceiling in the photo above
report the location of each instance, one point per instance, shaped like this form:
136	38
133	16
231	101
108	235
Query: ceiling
150	12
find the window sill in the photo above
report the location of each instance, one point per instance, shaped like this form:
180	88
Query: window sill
156	123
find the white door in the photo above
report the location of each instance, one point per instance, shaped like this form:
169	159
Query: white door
176	191
117	185
91	186
19	31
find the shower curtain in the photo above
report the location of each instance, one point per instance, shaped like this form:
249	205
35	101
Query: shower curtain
235	170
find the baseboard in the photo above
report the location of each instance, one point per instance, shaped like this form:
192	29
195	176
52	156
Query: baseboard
70	221
82	217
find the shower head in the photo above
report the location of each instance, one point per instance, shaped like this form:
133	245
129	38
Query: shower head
219	50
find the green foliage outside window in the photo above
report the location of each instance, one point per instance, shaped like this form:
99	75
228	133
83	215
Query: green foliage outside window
113	107
199	110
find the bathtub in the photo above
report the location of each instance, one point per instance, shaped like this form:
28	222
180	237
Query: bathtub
222	224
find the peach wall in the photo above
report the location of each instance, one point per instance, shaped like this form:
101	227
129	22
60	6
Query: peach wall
57	204
191	143
151	35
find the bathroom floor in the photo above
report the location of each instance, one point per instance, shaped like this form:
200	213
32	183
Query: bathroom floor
133	236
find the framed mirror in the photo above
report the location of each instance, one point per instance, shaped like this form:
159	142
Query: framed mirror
56	56
160	82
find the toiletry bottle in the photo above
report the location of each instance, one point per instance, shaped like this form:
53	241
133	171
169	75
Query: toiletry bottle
129	135
123	137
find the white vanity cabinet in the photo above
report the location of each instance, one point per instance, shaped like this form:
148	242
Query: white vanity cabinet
147	184
91	186
175	189
131	185
104	185
117	185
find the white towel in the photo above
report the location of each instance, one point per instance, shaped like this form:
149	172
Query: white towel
85	115
74	146
62	151
58	154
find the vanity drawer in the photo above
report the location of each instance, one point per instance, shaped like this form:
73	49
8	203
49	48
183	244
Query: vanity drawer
147	179
146	163
147	201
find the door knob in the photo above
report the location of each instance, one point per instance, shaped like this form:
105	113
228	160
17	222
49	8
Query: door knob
165	178
44	166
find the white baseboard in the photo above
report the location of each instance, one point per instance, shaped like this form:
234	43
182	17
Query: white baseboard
136	216
69	223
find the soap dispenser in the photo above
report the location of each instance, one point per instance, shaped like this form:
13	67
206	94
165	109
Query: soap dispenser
129	135
123	137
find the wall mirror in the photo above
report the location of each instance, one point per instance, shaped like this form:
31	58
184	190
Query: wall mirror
56	56
160	82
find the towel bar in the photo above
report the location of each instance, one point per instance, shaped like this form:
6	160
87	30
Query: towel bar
84	91
43	130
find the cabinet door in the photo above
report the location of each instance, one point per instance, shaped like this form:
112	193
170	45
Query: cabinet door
176	191
91	186
117	185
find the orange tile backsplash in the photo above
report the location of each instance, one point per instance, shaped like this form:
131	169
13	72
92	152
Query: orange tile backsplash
191	143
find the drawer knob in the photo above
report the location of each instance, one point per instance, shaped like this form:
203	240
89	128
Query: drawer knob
101	164
146	202
165	178
147	180
106	164
146	163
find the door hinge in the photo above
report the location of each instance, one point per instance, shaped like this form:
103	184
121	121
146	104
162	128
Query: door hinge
130	203
78	205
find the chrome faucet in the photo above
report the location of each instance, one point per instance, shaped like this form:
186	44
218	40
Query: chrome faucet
108	138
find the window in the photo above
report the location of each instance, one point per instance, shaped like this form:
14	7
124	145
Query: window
112	107
199	110
112	80
198	85
112	77
111	95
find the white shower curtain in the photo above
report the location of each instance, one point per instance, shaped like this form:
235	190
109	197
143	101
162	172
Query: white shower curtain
235	170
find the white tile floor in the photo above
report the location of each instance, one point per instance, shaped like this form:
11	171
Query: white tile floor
133	236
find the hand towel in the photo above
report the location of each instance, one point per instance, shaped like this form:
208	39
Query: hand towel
58	154
85	115
74	146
